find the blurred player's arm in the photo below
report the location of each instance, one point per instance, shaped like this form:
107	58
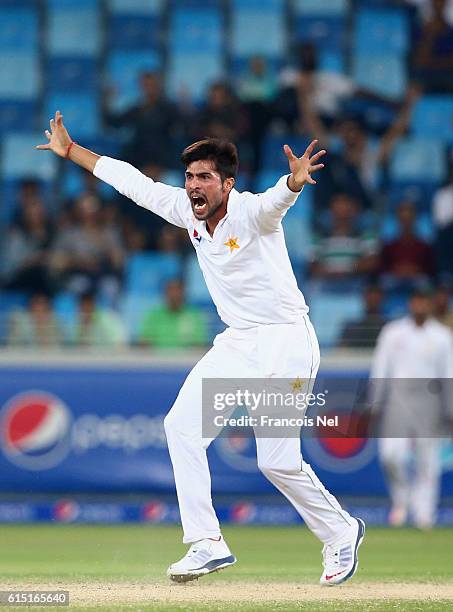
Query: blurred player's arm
168	202
380	370
267	209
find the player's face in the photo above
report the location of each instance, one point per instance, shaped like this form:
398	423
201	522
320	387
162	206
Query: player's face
205	189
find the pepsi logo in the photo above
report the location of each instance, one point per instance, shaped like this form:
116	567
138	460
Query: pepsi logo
65	510
243	512
154	512
35	429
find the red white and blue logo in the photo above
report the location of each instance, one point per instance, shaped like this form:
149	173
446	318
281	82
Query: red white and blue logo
196	235
65	510
341	455
35	430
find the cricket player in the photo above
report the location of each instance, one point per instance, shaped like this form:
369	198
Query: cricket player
413	355
239	241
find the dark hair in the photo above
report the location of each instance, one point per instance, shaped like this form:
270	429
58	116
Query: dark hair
224	154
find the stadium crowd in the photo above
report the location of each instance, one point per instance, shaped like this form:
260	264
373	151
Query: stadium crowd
364	234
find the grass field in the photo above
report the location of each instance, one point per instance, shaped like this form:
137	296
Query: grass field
123	568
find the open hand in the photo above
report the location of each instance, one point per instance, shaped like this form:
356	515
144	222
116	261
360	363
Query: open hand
303	167
58	137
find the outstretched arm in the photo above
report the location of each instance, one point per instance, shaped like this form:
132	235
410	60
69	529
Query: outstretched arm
168	202
62	145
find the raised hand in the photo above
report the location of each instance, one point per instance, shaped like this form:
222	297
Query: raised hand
303	167
58	137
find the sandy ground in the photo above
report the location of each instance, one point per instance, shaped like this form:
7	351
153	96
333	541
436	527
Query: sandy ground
217	592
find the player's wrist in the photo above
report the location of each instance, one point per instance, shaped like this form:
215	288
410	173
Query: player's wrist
293	185
69	149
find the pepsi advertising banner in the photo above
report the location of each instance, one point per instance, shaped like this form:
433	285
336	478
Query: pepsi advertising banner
88	430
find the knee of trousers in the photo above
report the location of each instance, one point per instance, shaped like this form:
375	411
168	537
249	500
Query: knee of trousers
273	471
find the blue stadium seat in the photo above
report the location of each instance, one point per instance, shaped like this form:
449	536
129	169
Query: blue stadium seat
72	180
24	64
134	32
9	302
18	29
433	117
135	7
20	158
255	6
88	5
382	31
196	291
329	8
273	156
395	304
239	66
420	194
194	29
324	32
65	307
80	110
332	60
72	73
383	74
247	29
133	309
296	225
123	72
74	30
390	228
147	273
330	311
18	116
419	161
193	73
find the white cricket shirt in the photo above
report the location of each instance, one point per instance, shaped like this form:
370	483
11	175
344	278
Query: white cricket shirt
407	350
245	263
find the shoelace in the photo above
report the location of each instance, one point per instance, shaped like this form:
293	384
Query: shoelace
331	558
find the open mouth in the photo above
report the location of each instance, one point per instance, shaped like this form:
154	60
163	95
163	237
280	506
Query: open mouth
199	204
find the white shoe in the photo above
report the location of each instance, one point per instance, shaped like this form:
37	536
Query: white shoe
203	557
340	559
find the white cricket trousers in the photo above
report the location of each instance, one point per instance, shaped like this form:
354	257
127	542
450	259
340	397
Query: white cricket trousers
279	351
412	467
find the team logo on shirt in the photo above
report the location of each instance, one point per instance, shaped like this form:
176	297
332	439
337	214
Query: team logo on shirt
196	235
232	243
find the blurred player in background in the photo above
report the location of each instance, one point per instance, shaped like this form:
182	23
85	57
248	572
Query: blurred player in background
239	241
414	349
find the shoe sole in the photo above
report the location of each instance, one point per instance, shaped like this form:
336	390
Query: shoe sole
212	566
359	540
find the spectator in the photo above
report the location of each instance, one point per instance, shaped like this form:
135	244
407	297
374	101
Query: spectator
443	220
443	204
408	258
174	324
363	332
433	57
223	115
25	252
354	165
257	89
87	254
343	251
152	121
37	327
441	305
326	90
257	85
98	327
